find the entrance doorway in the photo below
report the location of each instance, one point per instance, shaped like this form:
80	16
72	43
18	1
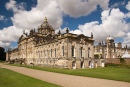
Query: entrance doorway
82	64
89	64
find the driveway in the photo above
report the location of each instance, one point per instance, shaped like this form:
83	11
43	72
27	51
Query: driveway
66	80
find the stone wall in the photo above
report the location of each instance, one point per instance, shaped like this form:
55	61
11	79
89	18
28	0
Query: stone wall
117	60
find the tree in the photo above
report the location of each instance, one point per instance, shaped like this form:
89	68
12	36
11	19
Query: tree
2	54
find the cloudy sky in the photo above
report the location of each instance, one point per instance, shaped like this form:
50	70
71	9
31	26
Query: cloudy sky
102	17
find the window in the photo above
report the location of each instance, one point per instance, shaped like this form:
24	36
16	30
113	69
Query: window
47	53
41	54
55	52
88	52
63	50
72	51
44	53
81	51
51	52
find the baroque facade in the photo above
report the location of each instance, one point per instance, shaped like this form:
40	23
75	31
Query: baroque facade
44	47
109	50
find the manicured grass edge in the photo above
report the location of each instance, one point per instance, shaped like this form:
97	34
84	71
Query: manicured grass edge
46	84
58	70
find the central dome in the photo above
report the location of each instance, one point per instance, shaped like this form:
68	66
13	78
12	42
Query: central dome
46	28
45	24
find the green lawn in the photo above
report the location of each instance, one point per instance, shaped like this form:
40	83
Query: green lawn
12	79
119	74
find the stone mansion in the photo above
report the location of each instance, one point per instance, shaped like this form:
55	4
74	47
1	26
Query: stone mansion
108	49
44	47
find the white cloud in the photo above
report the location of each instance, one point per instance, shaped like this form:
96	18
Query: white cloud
4	44
2	17
76	32
128	6
26	20
10	34
33	18
127	38
113	24
118	4
77	8
14	6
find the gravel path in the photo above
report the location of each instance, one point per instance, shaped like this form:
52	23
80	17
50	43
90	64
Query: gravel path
66	80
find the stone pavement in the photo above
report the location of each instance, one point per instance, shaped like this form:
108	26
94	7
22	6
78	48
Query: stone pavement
66	80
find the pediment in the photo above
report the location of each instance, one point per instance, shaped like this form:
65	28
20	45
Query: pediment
22	37
81	36
82	40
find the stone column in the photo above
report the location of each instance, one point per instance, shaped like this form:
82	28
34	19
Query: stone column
7	56
85	51
107	52
86	65
65	50
78	64
69	50
70	64
77	51
92	51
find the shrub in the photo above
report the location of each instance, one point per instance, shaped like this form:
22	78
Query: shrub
122	60
117	65
111	65
96	56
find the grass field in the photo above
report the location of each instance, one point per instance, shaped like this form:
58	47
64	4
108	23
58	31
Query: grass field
119	74
12	79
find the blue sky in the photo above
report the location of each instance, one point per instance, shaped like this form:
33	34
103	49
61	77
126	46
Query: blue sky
102	17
